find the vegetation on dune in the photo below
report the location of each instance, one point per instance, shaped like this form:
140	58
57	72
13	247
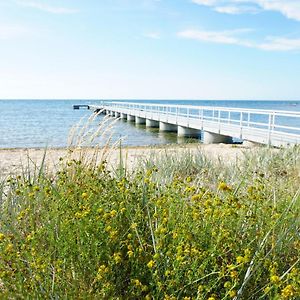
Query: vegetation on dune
178	227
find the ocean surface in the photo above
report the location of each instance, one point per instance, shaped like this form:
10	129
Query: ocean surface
47	123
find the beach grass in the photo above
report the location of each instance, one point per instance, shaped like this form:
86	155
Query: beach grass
178	226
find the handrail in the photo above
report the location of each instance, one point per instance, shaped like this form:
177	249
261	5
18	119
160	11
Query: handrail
234	109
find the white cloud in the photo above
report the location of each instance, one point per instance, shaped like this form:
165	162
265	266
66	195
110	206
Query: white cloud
232	37
235	10
47	8
220	37
280	44
288	8
206	2
153	35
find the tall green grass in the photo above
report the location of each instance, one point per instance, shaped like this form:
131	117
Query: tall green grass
180	226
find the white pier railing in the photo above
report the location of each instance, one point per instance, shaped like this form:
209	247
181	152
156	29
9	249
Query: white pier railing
278	128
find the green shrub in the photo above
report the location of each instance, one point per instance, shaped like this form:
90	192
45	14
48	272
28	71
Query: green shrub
203	232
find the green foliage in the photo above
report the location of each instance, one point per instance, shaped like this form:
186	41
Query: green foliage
179	227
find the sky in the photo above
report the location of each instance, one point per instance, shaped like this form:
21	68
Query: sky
150	49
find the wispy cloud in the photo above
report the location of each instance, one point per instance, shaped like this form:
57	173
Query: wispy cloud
236	9
232	37
153	35
46	7
288	8
13	31
280	44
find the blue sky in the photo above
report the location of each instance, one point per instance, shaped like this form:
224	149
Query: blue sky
150	49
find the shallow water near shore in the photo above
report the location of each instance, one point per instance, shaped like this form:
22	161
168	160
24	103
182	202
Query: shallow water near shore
41	123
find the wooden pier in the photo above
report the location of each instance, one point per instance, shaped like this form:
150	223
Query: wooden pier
213	124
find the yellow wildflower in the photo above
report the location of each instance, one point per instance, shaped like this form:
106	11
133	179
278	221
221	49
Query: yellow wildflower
108	228
36	188
2	236
275	279
113	213
240	259
117	257
136	282
288	292
133	226
150	264
130	253
233	274
232	293
84	196
9	248
224	187
267	290
100	210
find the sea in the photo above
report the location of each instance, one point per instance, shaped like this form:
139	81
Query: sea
51	123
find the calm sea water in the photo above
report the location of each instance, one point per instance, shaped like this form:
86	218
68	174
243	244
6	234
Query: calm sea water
40	123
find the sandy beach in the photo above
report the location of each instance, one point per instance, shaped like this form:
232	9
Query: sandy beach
15	161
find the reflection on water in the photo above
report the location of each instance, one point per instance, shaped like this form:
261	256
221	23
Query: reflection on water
138	134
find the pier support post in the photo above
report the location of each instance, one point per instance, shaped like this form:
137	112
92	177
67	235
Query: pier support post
215	138
117	114
152	123
130	118
123	116
167	127
188	132
140	121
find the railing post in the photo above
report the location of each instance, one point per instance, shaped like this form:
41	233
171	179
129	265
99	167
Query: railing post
241	124
219	119
167	113
269	132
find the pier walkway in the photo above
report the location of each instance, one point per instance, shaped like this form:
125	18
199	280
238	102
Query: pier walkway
214	124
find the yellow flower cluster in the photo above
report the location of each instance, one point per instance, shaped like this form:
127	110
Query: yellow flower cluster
288	292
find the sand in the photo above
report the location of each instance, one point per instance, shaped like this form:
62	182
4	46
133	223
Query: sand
16	161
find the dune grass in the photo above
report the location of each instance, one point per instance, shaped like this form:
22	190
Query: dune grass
177	227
